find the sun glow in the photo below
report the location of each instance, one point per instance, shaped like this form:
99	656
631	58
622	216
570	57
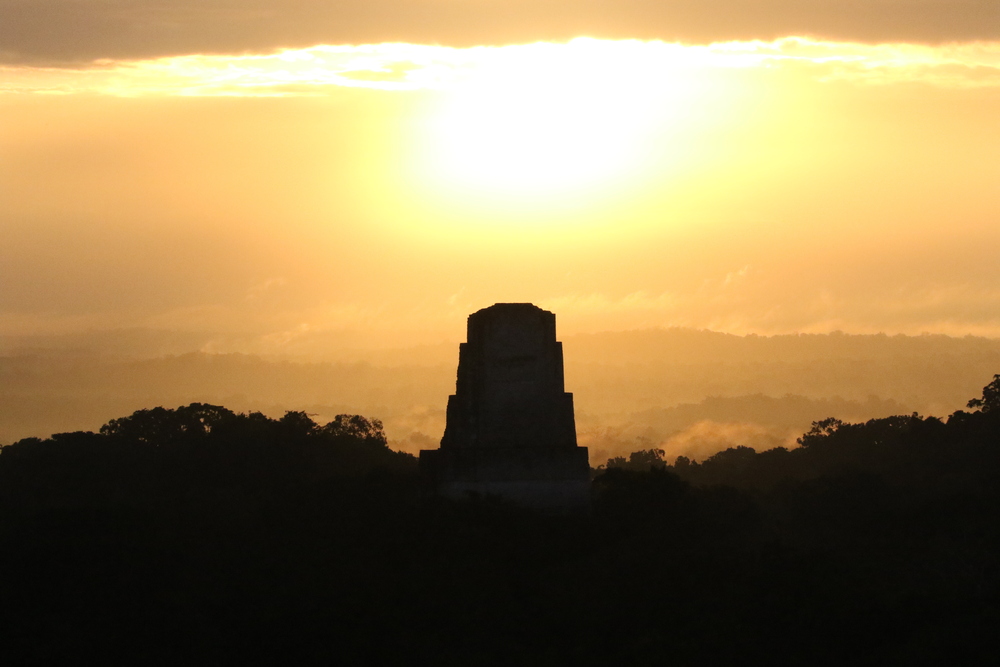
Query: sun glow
532	140
545	135
544	119
792	185
538	135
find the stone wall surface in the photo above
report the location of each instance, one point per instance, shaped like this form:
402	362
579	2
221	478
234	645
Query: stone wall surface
510	429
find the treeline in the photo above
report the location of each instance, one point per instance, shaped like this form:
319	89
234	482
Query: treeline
621	380
163	454
922	454
203	536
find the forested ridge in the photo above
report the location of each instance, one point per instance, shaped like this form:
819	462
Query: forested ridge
656	384
204	536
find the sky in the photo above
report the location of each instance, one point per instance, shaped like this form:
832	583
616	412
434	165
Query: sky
277	173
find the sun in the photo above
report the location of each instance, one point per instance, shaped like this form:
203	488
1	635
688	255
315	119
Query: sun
532	140
544	121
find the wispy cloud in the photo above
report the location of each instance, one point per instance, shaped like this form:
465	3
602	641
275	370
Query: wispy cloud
405	67
955	309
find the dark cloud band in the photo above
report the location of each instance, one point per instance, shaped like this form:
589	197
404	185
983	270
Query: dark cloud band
74	31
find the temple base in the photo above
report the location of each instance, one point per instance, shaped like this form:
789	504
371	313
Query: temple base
554	479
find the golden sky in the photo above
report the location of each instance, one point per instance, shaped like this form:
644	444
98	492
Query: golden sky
772	171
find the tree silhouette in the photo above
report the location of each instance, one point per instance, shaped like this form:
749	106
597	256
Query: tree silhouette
161	425
356	426
199	535
641	461
991	397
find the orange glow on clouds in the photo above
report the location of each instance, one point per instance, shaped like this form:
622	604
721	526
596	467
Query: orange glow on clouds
401	67
523	125
793	185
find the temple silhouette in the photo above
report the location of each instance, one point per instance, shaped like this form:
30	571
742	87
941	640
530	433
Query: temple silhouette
510	428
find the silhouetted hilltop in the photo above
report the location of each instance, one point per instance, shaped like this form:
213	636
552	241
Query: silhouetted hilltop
46	393
678	345
956	454
698	430
632	371
161	453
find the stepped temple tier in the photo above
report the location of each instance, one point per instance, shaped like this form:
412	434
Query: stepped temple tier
511	430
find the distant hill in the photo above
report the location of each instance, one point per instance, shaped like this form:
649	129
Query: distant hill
657	384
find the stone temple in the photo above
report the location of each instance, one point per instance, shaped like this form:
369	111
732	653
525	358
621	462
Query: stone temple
510	429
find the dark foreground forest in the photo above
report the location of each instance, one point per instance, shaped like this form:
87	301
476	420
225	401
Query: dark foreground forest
201	536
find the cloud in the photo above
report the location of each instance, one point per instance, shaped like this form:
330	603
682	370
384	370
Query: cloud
75	31
280	74
954	309
582	63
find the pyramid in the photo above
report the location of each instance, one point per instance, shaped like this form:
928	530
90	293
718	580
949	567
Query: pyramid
510	428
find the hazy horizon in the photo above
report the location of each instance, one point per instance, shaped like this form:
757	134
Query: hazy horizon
689	392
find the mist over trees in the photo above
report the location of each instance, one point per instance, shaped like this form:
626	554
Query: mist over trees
202	535
692	393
